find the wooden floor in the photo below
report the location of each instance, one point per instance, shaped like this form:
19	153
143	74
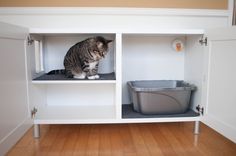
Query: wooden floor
166	139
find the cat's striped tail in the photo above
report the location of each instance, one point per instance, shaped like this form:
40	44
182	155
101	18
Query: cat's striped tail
56	72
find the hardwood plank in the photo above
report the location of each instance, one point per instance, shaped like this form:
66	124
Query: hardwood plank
116	141
149	140
185	137
82	141
127	142
58	143
172	140
161	140
48	139
104	141
124	140
93	141
70	141
141	147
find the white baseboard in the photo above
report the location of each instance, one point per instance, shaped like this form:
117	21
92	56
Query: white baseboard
10	140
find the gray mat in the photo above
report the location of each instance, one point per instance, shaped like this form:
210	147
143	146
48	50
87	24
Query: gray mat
128	112
109	76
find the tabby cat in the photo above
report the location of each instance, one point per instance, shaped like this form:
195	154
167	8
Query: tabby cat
82	59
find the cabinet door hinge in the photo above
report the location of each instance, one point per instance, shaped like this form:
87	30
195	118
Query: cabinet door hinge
200	109
203	41
30	40
33	112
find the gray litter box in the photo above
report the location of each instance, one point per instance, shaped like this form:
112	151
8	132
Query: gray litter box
160	96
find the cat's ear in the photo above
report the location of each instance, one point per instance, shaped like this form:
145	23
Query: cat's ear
108	41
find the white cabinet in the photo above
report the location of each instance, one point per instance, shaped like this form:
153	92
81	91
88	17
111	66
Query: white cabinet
219	87
14	114
133	56
71	101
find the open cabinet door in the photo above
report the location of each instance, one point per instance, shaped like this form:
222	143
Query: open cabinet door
14	110
220	85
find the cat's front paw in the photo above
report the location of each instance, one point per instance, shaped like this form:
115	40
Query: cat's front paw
80	76
91	77
96	76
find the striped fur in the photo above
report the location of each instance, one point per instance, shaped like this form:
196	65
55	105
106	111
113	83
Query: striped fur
82	58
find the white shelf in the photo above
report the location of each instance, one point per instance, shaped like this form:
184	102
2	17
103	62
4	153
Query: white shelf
70	31
158	120
129	31
161	32
75	114
61	79
93	115
75	82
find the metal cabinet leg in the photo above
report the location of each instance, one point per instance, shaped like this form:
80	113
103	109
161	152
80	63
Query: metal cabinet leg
196	127
36	130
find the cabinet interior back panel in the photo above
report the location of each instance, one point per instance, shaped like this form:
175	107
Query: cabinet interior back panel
150	58
80	95
56	46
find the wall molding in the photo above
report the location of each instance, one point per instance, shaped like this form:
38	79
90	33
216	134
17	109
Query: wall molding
110	19
111	11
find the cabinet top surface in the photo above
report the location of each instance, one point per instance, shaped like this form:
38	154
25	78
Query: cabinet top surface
106	31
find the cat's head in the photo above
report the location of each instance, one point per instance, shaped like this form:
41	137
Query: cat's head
102	45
